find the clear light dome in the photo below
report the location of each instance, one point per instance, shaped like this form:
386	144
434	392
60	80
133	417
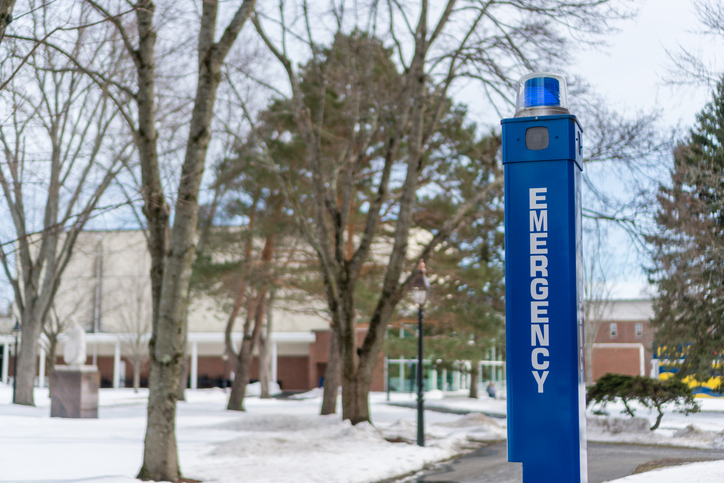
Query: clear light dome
541	94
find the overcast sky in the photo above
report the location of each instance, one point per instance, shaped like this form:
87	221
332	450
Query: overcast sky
630	73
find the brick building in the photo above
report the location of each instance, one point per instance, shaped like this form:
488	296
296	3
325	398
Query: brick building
624	341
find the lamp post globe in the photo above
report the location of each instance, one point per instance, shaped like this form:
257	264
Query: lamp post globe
420	294
16	333
420	286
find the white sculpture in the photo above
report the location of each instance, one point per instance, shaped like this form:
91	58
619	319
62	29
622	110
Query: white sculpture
74	352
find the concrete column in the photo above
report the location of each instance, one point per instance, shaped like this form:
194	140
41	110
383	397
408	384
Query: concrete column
402	374
6	362
433	379
654	369
386	375
41	368
117	367
456	380
444	380
274	362
194	365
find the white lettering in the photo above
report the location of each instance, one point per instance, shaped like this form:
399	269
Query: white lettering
540	380
539	289
539	329
540	335
537	200
538	309
539	351
537	247
539	222
538	263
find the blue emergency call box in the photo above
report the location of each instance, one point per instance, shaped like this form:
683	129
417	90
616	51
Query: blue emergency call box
542	157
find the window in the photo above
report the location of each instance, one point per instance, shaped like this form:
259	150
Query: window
614	330
639	330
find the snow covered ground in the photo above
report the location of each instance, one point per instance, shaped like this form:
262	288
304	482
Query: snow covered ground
706	472
274	441
286	441
703	430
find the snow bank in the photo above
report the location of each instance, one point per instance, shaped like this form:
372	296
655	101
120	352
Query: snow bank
707	472
315	393
636	430
293	448
618	425
274	441
473	427
254	389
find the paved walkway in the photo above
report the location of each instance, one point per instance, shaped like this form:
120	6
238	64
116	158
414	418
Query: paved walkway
605	462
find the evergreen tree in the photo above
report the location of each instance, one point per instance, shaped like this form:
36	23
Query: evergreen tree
688	250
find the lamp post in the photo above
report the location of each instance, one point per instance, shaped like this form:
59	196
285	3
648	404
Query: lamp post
420	292
16	333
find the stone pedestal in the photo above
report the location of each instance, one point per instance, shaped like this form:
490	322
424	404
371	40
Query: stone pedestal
74	392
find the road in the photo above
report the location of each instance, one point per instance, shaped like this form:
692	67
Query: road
605	462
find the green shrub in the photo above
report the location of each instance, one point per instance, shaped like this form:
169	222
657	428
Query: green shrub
650	393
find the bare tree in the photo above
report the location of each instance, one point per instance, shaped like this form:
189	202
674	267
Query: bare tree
254	292
688	67
597	303
470	40
58	147
135	325
171	248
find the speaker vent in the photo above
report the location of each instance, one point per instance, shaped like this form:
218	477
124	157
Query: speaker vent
536	138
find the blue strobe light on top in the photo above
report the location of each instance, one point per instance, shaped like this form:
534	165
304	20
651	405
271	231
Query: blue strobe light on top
541	94
542	91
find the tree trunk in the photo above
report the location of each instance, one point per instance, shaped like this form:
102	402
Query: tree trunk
160	457
265	352
241	376
27	358
50	361
245	356
136	375
474	375
332	376
659	417
184	380
264	366
355	392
